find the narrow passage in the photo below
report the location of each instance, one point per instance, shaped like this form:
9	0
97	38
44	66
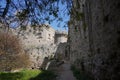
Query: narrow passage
65	73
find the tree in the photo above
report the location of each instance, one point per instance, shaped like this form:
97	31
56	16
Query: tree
11	53
21	12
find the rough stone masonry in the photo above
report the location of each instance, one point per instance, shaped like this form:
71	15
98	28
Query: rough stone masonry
94	38
40	42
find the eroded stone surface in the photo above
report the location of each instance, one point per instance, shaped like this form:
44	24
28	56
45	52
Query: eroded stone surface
94	39
41	43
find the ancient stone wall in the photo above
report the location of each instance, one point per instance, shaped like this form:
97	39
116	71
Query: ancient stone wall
61	51
60	37
42	34
94	38
39	42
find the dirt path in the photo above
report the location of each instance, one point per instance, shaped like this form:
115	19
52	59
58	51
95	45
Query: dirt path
64	72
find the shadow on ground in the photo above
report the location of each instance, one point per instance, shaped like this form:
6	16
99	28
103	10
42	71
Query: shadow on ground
45	75
11	76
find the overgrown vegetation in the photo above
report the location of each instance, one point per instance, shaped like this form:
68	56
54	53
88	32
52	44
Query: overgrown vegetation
11	53
28	75
79	74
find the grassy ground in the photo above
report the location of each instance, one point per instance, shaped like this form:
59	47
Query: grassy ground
28	75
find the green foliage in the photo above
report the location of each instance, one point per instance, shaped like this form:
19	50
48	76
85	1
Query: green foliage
22	75
40	11
79	74
10	76
28	75
22	15
55	14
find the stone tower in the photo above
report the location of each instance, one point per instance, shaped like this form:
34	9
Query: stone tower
60	37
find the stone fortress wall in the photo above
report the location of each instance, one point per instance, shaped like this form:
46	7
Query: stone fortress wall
94	38
40	42
43	34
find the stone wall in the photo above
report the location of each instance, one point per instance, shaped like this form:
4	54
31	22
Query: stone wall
42	34
39	43
61	53
60	37
94	38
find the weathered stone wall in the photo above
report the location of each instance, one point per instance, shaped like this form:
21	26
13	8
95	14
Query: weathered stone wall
42	34
61	51
39	42
95	38
60	37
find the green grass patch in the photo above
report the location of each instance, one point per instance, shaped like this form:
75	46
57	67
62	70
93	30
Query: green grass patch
79	74
45	75
28	75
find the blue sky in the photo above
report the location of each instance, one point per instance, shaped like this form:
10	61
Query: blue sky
63	14
54	24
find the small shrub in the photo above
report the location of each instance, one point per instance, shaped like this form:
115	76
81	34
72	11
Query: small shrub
11	53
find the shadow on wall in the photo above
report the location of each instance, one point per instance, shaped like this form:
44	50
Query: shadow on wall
50	63
61	52
44	63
